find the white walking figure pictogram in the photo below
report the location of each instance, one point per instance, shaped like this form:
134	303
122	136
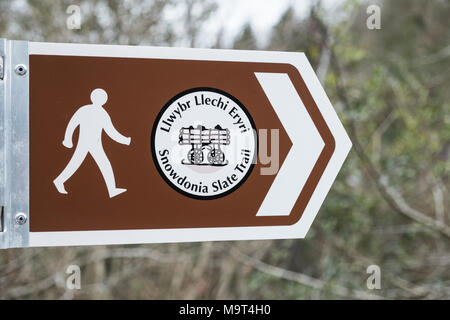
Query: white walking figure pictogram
92	119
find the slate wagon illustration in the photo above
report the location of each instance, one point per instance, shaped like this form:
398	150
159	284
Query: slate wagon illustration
201	139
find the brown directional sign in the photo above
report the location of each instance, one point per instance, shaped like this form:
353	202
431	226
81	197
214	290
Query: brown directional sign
141	144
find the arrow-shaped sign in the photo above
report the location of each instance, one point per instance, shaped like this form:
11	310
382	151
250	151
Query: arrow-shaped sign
142	144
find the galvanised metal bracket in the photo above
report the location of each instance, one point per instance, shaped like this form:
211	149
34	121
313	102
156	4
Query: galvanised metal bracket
14	143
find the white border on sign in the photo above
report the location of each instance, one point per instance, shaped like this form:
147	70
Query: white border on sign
297	230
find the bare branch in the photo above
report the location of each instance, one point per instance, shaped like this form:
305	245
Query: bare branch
412	213
302	278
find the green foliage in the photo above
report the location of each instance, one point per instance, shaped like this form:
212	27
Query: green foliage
396	83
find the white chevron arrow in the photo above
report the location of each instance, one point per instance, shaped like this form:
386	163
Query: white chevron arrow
307	144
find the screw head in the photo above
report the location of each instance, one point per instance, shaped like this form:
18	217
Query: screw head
21	218
20	69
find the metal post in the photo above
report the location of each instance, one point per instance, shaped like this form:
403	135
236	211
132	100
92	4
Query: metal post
14	144
3	239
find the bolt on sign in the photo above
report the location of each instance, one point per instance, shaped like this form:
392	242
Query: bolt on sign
122	144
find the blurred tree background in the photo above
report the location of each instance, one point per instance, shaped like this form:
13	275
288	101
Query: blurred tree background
388	207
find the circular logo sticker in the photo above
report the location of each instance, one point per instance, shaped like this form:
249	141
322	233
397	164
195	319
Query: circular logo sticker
204	143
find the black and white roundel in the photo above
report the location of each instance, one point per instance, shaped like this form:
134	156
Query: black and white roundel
204	143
